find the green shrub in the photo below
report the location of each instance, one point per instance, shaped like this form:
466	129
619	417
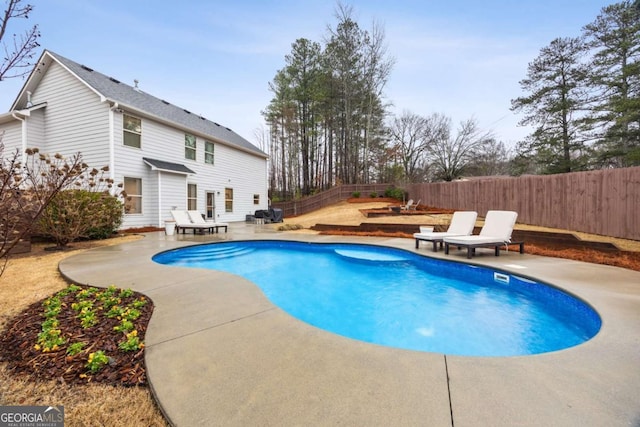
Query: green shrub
355	194
109	217
373	195
395	193
75	214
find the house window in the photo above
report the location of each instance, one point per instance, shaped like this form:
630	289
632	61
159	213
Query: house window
131	131
192	197
189	147
256	199
208	152
228	199
133	202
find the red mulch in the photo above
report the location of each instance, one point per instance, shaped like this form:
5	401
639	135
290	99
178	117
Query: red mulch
142	230
624	259
125	368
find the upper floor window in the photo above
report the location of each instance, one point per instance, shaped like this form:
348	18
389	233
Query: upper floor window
131	131
189	147
133	202
256	199
208	152
192	197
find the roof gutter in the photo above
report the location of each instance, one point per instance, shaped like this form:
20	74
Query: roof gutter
179	126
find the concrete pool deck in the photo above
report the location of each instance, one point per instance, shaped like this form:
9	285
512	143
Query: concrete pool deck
219	353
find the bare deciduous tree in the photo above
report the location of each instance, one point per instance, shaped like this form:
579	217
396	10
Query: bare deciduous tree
450	156
410	136
21	49
26	188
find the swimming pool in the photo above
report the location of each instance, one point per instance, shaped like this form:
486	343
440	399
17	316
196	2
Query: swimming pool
401	299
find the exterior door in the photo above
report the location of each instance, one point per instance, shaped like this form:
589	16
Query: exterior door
211	205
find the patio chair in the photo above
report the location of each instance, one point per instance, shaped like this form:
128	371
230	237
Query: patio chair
414	207
197	218
462	223
407	206
183	222
496	231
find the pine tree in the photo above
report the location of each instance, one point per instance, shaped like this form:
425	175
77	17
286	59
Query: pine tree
554	105
614	37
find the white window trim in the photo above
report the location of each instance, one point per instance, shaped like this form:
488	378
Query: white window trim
189	198
212	153
139	196
132	132
193	149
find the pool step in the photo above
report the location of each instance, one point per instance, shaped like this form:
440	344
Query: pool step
220	253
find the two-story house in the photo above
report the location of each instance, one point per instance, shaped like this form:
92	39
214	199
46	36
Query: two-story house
167	157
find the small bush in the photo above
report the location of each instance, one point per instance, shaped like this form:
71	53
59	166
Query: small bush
75	214
355	194
395	193
290	227
373	195
109	217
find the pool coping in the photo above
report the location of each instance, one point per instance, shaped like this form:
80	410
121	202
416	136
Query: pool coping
219	353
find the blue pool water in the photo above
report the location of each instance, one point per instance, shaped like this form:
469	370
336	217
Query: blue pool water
400	299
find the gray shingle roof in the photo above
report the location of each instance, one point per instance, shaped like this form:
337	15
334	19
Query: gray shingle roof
167	166
133	97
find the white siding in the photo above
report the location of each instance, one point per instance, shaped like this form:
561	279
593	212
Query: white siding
11	133
75	119
35	129
174	194
149	196
11	137
245	173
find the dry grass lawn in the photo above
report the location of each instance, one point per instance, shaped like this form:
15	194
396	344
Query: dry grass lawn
30	278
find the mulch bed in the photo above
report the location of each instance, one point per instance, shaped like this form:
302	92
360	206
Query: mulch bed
125	368
624	259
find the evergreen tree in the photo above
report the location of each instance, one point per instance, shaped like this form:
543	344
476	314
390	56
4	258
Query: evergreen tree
554	104
614	37
303	70
345	61
326	116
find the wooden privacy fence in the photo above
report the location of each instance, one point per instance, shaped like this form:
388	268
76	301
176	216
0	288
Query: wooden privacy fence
331	196
605	202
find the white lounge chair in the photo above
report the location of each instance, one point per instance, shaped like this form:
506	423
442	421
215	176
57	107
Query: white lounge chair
462	223
197	218
183	222
496	232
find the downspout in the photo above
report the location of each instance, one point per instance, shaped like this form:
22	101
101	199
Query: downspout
112	145
23	119
160	220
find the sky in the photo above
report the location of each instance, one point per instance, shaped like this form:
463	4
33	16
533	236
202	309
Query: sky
460	58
